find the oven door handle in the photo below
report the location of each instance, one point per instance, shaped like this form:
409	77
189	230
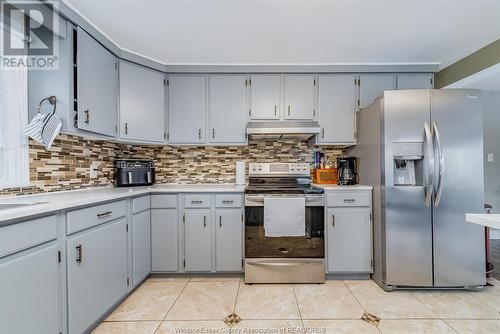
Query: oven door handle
282	264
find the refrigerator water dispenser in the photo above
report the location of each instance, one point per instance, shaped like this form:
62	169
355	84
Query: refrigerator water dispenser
408	163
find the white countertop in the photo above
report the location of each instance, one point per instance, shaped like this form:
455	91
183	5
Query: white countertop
489	220
63	200
335	187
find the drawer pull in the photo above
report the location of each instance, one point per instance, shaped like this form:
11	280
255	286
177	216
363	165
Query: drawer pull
104	214
333	220
220	221
349	200
227	201
196	202
79	253
204	221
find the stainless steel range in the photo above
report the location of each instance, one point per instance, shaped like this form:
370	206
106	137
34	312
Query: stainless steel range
284	259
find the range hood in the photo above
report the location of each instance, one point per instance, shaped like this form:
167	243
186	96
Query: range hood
283	130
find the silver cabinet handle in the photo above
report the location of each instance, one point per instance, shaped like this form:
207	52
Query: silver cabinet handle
333	220
79	253
349	200
322	132
226	201
126	128
104	214
204	221
196	202
275	110
220	221
87	116
213	133
440	158
199	134
429	172
289	110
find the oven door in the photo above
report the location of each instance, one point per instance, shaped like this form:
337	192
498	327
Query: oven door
257	245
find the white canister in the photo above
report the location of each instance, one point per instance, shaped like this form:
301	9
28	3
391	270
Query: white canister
240	172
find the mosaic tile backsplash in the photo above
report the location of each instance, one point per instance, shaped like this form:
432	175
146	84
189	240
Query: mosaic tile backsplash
66	165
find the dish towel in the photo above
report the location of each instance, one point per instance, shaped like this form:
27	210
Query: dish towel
284	217
44	128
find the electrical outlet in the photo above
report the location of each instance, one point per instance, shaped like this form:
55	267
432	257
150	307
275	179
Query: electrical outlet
93	170
491	157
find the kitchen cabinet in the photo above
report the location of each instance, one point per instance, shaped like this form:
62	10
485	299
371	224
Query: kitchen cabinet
265	96
141	246
228	239
349	240
337	108
186	109
372	86
29	290
197	240
228	108
97	86
96	272
164	239
142	103
300	96
415	81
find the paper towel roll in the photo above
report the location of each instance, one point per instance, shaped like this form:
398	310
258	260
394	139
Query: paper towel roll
240	172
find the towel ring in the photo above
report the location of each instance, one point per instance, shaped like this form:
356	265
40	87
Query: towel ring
52	100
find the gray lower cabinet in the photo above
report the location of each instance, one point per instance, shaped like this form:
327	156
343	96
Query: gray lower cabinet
164	239
29	292
197	240
228	239
349	240
96	273
141	246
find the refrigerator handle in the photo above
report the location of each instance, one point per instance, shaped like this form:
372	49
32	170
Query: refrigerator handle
440	157
429	169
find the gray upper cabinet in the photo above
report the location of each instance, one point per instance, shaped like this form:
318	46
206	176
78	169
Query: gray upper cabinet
372	86
228	108
164	240
141	246
97	86
29	293
96	258
142	103
300	96
415	81
197	240
265	96
336	108
186	109
228	239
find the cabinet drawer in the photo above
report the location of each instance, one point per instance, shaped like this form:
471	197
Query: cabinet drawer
163	201
141	203
197	201
228	201
82	219
348	198
17	237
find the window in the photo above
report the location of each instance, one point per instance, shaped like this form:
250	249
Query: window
14	155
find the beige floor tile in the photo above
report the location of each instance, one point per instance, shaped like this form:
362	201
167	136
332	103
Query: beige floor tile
327	301
475	326
420	326
205	301
395	304
456	304
151	301
270	326
264	301
142	327
339	327
196	326
168	279
490	294
213	278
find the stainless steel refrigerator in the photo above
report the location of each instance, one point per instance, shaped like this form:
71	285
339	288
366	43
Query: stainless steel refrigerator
422	150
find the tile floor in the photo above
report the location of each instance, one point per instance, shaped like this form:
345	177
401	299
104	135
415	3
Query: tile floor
201	304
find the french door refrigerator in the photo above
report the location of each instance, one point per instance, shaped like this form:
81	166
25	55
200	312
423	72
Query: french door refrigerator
422	150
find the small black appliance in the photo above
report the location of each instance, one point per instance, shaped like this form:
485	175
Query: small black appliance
348	171
133	172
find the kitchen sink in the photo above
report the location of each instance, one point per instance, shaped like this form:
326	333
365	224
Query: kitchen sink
4	206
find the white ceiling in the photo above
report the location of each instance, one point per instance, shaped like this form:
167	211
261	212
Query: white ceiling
297	32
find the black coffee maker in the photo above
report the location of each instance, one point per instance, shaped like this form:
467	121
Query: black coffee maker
347	171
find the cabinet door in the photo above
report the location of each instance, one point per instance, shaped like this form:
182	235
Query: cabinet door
97	86
97	273
228	240
337	107
372	86
415	81
198	241
349	240
142	103
265	97
300	97
141	245
228	109
29	293
164	249
186	109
